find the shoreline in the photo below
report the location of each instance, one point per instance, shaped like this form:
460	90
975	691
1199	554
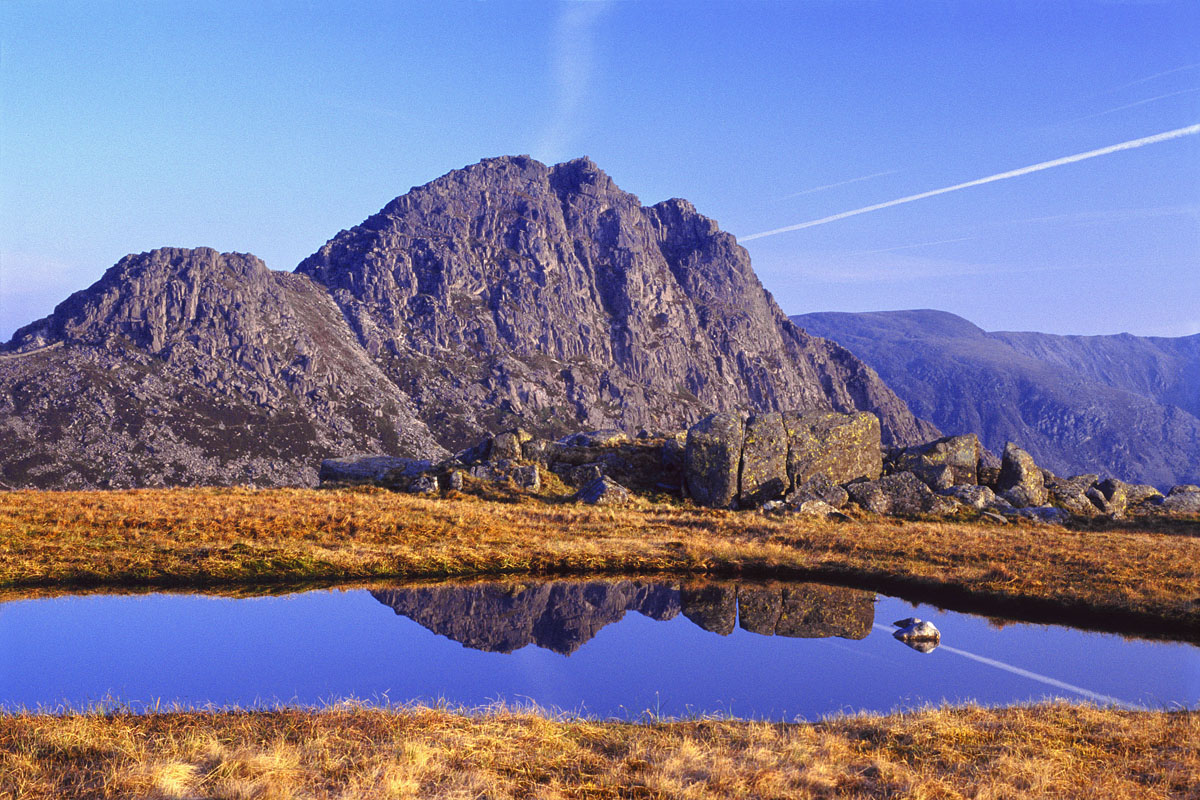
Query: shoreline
1130	578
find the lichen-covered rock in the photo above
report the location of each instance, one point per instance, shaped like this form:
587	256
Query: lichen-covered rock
423	484
961	454
815	508
609	437
1021	481
901	493
603	492
764	460
842	447
1184	499
818	487
978	497
1138	494
508	445
712	459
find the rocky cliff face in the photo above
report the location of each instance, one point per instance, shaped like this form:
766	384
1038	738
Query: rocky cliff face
505	293
512	292
193	367
1125	405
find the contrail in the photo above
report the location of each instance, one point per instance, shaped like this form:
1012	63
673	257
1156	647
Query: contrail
1036	676
816	189
1058	162
1135	105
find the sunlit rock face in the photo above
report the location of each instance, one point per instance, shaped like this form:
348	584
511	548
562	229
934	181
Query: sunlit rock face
515	293
563	615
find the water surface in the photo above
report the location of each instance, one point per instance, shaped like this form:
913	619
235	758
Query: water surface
603	648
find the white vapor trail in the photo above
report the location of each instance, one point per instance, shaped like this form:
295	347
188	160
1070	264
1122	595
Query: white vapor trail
816	189
1058	162
1154	99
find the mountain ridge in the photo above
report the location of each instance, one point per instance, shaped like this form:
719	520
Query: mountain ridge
1121	404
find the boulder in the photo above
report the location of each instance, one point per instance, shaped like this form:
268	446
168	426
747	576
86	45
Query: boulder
978	497
815	508
959	454
919	634
526	476
901	493
602	492
579	474
1047	515
764	460
1115	495
423	484
370	469
454	480
507	445
1140	494
818	487
1184	499
1021	481
712	459
988	476
842	447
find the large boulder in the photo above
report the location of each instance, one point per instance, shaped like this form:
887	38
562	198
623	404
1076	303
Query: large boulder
960	454
602	492
900	493
842	447
1072	494
372	469
819	487
977	497
764	460
1184	498
712	459
1021	481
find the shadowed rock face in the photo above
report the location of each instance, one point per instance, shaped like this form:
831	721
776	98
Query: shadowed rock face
510	292
1128	403
563	615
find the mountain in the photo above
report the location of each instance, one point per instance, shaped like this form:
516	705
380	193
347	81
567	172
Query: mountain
505	293
193	367
513	291
1123	405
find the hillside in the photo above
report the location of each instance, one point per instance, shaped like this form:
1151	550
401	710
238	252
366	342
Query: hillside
1125	405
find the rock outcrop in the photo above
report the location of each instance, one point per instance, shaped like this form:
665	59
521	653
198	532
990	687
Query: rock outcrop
1129	404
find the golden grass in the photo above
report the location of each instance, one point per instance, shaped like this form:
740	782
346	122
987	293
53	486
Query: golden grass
1132	575
1048	751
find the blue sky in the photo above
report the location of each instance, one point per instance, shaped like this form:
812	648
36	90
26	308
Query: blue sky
268	127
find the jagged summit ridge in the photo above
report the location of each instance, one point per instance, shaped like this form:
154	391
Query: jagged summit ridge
514	291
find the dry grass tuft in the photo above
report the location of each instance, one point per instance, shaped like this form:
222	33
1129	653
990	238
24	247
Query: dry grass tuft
1049	751
229	537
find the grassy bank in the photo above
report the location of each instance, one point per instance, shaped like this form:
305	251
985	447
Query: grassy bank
1048	751
1134	574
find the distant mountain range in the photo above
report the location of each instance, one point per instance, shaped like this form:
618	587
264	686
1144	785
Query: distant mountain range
505	293
1124	405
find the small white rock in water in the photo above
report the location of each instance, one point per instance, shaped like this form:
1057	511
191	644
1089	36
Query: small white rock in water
918	631
904	623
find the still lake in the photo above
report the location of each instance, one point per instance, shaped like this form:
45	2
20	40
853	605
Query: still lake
604	648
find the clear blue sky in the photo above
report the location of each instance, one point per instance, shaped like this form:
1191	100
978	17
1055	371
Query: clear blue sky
268	127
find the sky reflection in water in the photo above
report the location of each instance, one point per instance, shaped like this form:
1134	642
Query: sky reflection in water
326	646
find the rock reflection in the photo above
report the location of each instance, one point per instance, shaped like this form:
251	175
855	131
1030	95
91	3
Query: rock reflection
563	615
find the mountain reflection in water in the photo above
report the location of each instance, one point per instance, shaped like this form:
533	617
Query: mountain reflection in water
563	615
